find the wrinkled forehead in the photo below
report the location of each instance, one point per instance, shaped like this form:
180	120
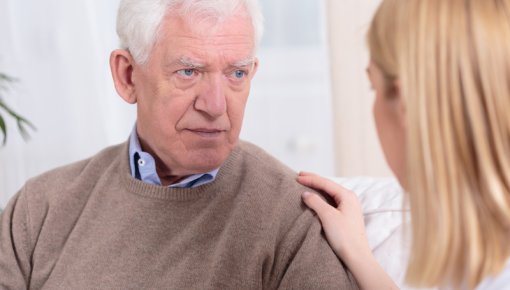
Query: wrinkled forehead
204	44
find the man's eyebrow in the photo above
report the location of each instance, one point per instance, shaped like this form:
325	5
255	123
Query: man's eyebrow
188	62
249	61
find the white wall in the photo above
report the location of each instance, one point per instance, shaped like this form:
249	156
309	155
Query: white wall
289	111
357	150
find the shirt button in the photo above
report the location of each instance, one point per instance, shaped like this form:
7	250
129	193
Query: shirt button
141	162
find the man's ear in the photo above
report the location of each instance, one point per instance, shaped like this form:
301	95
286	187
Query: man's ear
255	67
121	65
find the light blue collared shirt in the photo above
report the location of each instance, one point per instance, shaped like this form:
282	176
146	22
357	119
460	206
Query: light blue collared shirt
143	167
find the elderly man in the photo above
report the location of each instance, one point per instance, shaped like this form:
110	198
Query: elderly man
183	204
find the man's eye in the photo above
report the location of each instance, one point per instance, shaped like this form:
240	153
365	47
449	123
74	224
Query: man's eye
239	74
189	72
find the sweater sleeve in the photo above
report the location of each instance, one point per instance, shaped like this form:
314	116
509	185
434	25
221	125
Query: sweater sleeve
14	253
308	262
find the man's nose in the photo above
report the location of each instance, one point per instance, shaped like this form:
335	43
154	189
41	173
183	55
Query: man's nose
212	100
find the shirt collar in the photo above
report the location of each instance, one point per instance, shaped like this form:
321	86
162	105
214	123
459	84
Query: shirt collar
143	167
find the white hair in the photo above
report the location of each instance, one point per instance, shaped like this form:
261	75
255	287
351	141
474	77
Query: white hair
138	21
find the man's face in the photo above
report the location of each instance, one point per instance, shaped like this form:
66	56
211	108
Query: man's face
192	93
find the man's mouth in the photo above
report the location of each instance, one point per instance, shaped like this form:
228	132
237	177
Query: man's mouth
208	133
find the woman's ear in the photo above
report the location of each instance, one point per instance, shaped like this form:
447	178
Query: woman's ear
121	65
401	104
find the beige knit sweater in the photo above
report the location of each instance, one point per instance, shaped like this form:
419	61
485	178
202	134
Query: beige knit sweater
90	225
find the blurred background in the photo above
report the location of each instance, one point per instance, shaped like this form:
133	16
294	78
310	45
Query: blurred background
310	104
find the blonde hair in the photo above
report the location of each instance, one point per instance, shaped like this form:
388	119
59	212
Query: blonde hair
452	62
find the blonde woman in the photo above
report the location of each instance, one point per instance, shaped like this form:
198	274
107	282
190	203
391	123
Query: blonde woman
441	74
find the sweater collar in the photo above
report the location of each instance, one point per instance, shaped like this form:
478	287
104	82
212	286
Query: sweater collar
133	185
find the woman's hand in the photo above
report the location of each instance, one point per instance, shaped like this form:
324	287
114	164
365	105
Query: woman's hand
345	231
343	224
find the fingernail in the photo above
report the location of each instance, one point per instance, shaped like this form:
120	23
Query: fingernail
306	194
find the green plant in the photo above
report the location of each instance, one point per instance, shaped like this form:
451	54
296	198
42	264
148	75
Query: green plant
23	124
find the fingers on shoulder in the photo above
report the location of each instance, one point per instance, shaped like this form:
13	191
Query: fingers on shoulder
319	205
333	189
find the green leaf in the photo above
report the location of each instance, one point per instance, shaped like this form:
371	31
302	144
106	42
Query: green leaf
22	123
5	80
3	128
22	127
